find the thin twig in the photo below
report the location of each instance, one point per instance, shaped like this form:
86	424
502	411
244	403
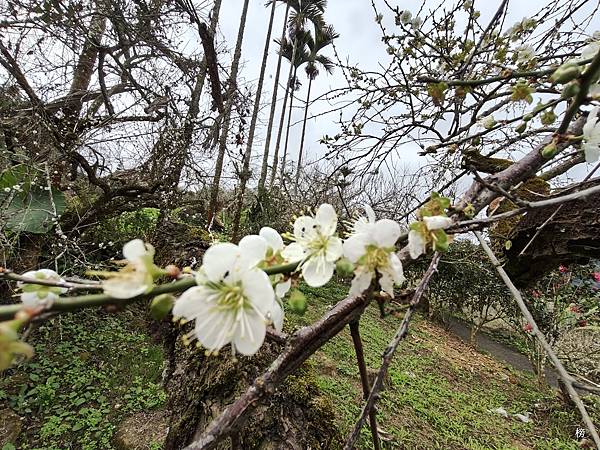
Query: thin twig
562	372
388	354
465	224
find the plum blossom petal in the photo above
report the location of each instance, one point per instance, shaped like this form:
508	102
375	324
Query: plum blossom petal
317	271
591	136
416	244
437	222
273	238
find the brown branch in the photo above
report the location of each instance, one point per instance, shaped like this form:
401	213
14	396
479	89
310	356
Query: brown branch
388	354
301	346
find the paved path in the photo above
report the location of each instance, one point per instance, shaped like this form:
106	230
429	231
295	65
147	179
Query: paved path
500	351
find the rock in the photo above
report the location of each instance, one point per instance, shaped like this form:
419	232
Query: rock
141	431
10	427
500	411
523	417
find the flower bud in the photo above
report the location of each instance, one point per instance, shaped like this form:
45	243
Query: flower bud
297	302
550	150
344	267
565	73
161	305
571	90
521	128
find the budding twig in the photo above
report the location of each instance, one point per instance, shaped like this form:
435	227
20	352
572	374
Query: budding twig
562	372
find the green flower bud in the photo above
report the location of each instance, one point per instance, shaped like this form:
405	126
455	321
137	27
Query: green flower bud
527	117
550	150
565	73
521	128
297	302
571	90
161	305
548	117
344	267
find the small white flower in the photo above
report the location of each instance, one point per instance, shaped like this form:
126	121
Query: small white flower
590	50
371	248
316	245
136	277
234	299
405	17
591	136
35	295
417	243
488	122
525	53
416	23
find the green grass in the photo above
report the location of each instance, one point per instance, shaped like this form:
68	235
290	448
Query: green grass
90	370
439	390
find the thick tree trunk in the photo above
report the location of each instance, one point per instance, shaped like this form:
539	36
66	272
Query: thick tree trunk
199	387
263	171
300	151
214	191
245	175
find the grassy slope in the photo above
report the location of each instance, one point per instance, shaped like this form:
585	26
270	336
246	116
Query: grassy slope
93	369
439	391
90	371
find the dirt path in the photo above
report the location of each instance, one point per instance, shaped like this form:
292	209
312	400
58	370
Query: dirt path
499	351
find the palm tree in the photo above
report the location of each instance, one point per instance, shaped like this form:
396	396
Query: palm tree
245	174
304	11
323	37
214	190
301	56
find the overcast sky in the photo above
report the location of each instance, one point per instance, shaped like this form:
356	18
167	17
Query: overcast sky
359	42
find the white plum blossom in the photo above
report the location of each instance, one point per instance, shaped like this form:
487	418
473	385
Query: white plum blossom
416	23
281	285
137	277
488	122
371	248
525	53
591	137
36	295
234	299
417	241
316	246
405	17
590	50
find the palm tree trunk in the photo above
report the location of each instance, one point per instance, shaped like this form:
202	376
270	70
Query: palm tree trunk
214	190
310	80
282	118
245	175
287	133
265	161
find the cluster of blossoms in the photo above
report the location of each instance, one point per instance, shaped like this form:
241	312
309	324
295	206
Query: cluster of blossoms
236	296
